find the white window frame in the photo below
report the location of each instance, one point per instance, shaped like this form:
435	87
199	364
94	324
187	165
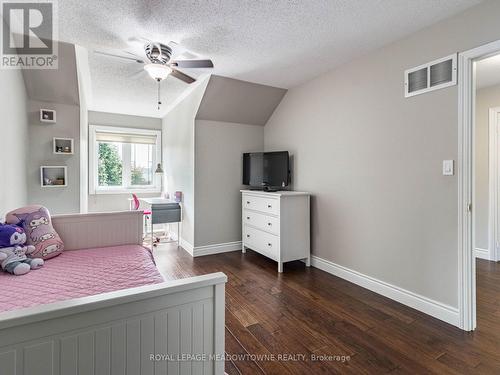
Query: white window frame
94	187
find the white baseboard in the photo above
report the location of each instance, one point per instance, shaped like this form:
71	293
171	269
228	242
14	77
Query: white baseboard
187	246
198	251
482	253
216	248
426	305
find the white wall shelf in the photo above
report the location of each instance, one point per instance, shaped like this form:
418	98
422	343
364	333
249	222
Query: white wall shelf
53	176
63	146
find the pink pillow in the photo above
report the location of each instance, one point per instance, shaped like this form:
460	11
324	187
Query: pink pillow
40	233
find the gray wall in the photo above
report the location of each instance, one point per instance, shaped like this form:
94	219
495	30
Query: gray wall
40	152
486	98
372	159
218	176
54	89
229	122
178	154
118	202
233	100
14	129
55	85
125	121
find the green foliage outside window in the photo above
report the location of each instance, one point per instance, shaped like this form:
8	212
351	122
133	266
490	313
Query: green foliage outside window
137	176
110	165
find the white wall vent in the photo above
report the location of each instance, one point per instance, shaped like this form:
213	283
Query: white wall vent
432	76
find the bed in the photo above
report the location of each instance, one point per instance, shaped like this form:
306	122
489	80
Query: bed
94	318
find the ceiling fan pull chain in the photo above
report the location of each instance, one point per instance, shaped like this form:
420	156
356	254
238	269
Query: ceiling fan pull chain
159	99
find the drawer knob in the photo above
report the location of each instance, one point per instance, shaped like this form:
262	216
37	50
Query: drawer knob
248	217
248	202
269	206
248	235
270	224
269	244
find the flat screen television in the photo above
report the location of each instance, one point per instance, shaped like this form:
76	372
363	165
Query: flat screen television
266	170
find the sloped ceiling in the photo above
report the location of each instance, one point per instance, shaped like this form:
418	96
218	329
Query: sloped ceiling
55	85
233	100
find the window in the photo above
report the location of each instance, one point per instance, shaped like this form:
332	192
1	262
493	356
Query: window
123	160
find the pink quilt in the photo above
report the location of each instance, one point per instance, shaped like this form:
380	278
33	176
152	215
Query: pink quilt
79	273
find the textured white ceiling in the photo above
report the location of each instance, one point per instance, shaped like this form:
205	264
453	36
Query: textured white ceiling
279	43
488	72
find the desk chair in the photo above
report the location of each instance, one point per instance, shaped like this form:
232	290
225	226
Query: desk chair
147	213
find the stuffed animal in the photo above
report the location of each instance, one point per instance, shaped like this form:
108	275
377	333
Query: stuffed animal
12	252
36	222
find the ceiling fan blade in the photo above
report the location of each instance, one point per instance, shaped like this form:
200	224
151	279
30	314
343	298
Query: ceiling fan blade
139	39
176	47
192	63
119	56
137	57
180	52
182	76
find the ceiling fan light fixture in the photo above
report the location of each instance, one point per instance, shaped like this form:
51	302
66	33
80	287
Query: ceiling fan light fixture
157	71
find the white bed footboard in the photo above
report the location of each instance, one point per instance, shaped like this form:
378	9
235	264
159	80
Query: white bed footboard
84	231
176	327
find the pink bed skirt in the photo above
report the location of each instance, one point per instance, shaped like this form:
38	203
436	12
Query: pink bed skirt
79	273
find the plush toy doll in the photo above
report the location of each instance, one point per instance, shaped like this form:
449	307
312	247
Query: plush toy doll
36	222
12	252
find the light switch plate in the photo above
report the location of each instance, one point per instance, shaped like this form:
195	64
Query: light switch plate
448	169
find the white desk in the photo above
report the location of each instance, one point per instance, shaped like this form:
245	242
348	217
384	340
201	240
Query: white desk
164	211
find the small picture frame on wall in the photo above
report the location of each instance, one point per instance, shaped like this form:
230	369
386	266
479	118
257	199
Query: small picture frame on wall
47	115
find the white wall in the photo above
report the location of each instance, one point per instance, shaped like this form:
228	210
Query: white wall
218	174
84	99
118	202
178	154
13	140
372	159
486	98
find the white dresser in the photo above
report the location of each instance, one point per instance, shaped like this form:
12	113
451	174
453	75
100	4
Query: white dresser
277	225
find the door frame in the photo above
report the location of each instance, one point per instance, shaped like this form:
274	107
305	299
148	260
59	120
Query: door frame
493	162
466	116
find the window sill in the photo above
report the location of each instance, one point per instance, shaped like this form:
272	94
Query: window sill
126	191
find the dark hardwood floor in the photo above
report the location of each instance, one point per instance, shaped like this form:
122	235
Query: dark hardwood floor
327	325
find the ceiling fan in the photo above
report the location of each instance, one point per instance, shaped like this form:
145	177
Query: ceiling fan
159	64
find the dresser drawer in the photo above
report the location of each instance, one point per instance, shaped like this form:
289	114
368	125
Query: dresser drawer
265	243
262	221
262	204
